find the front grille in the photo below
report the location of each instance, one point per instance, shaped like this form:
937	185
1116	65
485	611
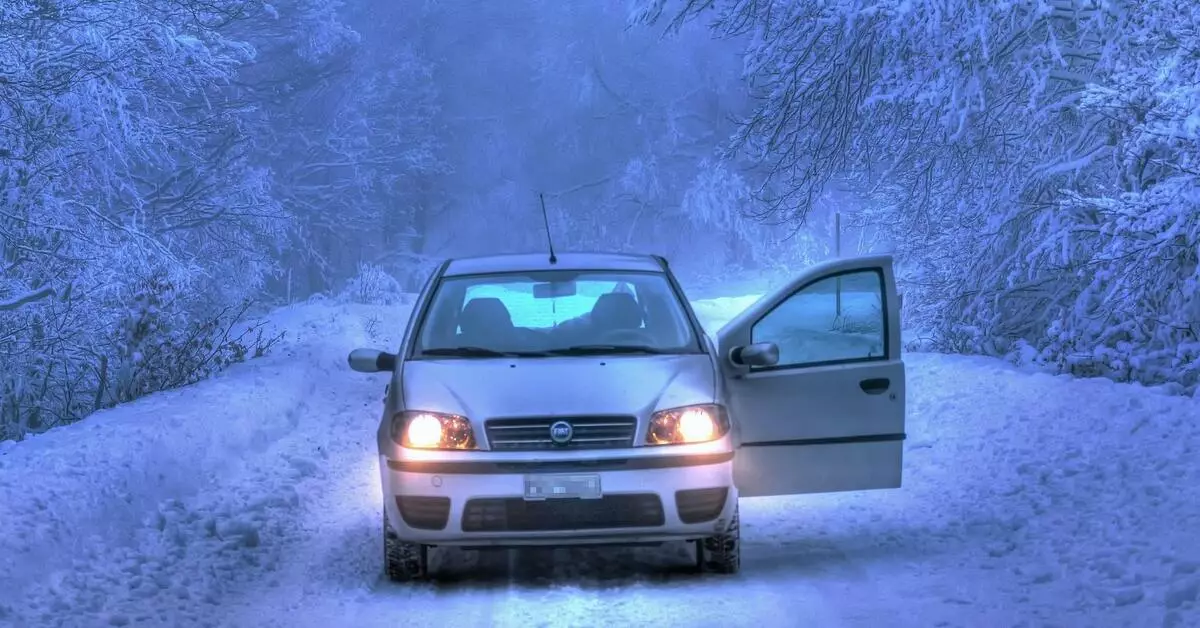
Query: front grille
590	432
518	515
424	513
698	505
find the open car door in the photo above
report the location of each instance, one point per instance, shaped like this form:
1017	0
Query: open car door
815	382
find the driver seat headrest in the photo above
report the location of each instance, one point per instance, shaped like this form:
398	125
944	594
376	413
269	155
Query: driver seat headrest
617	310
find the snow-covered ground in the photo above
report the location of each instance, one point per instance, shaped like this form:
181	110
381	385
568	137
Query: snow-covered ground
252	500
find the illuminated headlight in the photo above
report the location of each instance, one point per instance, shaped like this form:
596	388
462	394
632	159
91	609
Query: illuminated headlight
689	424
432	430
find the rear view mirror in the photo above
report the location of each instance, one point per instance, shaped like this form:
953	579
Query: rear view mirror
757	354
371	361
554	289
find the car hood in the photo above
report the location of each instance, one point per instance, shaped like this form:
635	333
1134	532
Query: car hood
571	386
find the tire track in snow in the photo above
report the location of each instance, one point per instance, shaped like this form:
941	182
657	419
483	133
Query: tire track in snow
574	587
1002	487
491	588
331	544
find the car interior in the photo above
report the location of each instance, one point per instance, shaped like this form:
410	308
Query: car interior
623	316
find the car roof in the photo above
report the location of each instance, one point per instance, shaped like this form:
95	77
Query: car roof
518	262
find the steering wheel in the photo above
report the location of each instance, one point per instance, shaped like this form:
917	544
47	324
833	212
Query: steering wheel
627	336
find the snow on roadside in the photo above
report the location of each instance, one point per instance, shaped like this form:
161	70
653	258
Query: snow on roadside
1029	499
1039	498
713	313
100	516
1029	496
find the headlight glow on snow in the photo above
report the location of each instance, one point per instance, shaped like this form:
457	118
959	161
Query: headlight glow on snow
432	430
689	424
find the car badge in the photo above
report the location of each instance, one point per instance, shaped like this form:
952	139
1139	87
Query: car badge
561	432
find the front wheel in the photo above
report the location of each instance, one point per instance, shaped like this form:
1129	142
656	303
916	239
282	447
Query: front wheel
403	561
722	553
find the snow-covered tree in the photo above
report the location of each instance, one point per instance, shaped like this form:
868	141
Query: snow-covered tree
131	215
1032	162
345	105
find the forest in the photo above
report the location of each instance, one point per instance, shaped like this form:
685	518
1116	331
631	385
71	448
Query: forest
172	169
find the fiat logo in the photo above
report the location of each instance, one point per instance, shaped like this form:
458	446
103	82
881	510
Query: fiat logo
561	432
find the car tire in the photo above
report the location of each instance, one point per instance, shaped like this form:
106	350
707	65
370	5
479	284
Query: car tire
403	561
723	553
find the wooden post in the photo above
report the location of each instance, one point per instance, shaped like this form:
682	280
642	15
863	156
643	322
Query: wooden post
837	251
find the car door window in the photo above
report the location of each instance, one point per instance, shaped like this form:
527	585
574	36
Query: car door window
838	319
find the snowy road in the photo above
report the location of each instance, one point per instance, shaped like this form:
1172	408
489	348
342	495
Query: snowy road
252	500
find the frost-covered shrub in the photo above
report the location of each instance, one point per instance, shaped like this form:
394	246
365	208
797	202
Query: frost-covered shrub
165	340
411	270
373	286
64	358
1124	300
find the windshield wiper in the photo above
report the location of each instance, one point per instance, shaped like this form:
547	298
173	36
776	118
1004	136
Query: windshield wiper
608	350
480	352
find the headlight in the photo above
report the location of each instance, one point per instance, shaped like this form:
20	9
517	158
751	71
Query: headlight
689	424
432	430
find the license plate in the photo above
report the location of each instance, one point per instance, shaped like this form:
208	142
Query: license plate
562	486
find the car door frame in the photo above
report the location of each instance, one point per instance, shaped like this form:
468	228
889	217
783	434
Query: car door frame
854	438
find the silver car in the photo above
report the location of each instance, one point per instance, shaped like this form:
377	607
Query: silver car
577	400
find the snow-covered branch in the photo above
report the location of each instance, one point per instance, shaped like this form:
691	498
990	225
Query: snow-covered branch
16	302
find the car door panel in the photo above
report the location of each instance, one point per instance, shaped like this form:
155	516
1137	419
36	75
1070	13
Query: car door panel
827	468
837	438
828	402
829	416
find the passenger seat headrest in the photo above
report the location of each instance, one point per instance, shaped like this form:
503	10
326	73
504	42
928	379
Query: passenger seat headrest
484	313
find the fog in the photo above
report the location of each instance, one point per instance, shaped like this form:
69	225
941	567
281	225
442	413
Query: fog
170	170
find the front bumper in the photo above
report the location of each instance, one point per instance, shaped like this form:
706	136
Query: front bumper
478	500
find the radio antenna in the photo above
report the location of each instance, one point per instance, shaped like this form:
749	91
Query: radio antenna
546	222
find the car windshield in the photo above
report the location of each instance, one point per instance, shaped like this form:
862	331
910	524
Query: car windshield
554	313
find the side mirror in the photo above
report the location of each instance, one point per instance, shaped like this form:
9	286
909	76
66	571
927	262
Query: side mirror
372	361
757	354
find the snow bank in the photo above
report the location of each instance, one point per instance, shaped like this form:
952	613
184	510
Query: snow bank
110	491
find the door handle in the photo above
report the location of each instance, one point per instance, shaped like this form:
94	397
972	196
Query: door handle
875	386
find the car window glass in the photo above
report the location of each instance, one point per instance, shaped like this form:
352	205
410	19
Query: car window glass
557	310
528	311
836	319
